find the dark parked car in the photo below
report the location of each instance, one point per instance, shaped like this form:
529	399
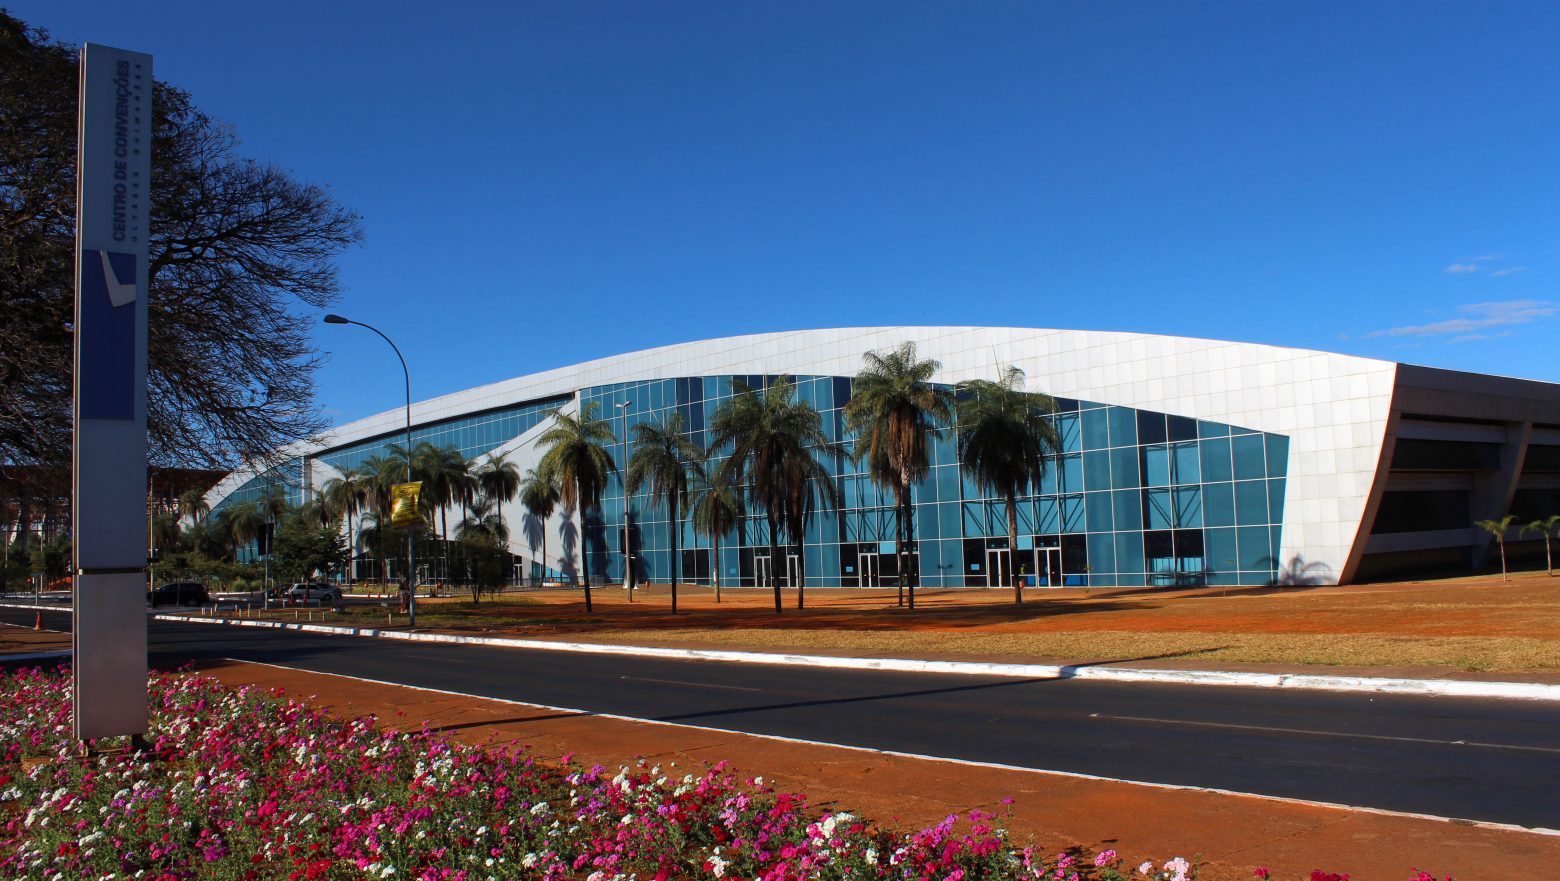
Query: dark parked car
180	593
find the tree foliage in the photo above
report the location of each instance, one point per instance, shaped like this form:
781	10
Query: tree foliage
896	412
236	248
1004	438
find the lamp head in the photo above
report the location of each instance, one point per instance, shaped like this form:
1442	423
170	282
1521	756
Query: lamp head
336	319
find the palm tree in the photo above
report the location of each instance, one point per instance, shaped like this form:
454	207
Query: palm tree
573	451
192	504
1545	526
716	510
482	522
344	497
1004	437
499	480
1498	528
241	523
539	496
769	434
895	411
663	456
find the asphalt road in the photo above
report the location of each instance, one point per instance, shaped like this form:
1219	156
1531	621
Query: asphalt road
1473	759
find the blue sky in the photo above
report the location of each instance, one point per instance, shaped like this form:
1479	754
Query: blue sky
546	183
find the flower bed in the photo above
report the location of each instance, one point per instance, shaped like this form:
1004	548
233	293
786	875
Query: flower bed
241	785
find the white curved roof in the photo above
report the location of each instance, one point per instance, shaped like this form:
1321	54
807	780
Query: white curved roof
1334	408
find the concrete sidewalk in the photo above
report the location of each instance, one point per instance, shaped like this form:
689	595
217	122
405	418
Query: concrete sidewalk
21	644
1231	833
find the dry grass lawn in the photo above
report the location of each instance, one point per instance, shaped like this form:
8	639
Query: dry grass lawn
1470	624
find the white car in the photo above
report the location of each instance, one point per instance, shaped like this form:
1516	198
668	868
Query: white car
313	593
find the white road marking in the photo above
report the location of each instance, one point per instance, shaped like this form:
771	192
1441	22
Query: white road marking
1074	775
1313	732
689	684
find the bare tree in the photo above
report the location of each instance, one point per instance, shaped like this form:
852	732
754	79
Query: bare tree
237	247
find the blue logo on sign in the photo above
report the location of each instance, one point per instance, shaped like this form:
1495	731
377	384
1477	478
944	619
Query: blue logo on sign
106	371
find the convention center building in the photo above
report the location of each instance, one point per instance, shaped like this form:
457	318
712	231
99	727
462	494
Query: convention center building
1183	462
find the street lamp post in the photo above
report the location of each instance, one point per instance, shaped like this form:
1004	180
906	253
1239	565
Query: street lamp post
411	564
628	548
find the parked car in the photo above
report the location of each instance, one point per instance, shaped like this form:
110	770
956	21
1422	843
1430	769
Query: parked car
315	592
180	593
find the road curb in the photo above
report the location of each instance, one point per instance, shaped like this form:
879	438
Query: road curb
1366	684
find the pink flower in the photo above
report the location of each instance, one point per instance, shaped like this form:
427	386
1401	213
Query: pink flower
1104	858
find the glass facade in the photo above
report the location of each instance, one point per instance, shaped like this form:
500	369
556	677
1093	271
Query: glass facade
471	435
1135	498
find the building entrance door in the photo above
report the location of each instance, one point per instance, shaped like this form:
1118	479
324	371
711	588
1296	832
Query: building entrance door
1051	566
793	569
868	566
999	567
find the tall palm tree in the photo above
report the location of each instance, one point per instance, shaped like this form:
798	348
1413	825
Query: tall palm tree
539	496
662	457
770	433
192	504
716	510
895	412
1499	528
1004	438
1546	527
241	523
574	451
499	480
482	522
344	497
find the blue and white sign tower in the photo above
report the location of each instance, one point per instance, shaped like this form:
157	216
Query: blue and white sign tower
113	201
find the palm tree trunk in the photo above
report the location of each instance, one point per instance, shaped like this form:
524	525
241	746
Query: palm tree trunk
715	570
671	505
542	580
912	572
1549	561
584	547
899	543
774	551
1012	518
444	531
1503	560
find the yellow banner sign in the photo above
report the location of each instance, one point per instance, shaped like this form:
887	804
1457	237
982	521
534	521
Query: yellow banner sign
403	505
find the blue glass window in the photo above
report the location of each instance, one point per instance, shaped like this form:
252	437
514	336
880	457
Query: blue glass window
1156	465
1218	504
1124	467
1255	552
1188	506
1216	460
1096	470
1123	427
1251	504
1250	460
1072	473
1072	514
1099	511
1221	550
1129	509
1129	552
1102	553
1067	429
1276	501
1160	508
1096	431
1277	455
1184	460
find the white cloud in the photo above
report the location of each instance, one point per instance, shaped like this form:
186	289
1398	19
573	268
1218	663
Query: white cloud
1510	270
1459	268
1477	319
